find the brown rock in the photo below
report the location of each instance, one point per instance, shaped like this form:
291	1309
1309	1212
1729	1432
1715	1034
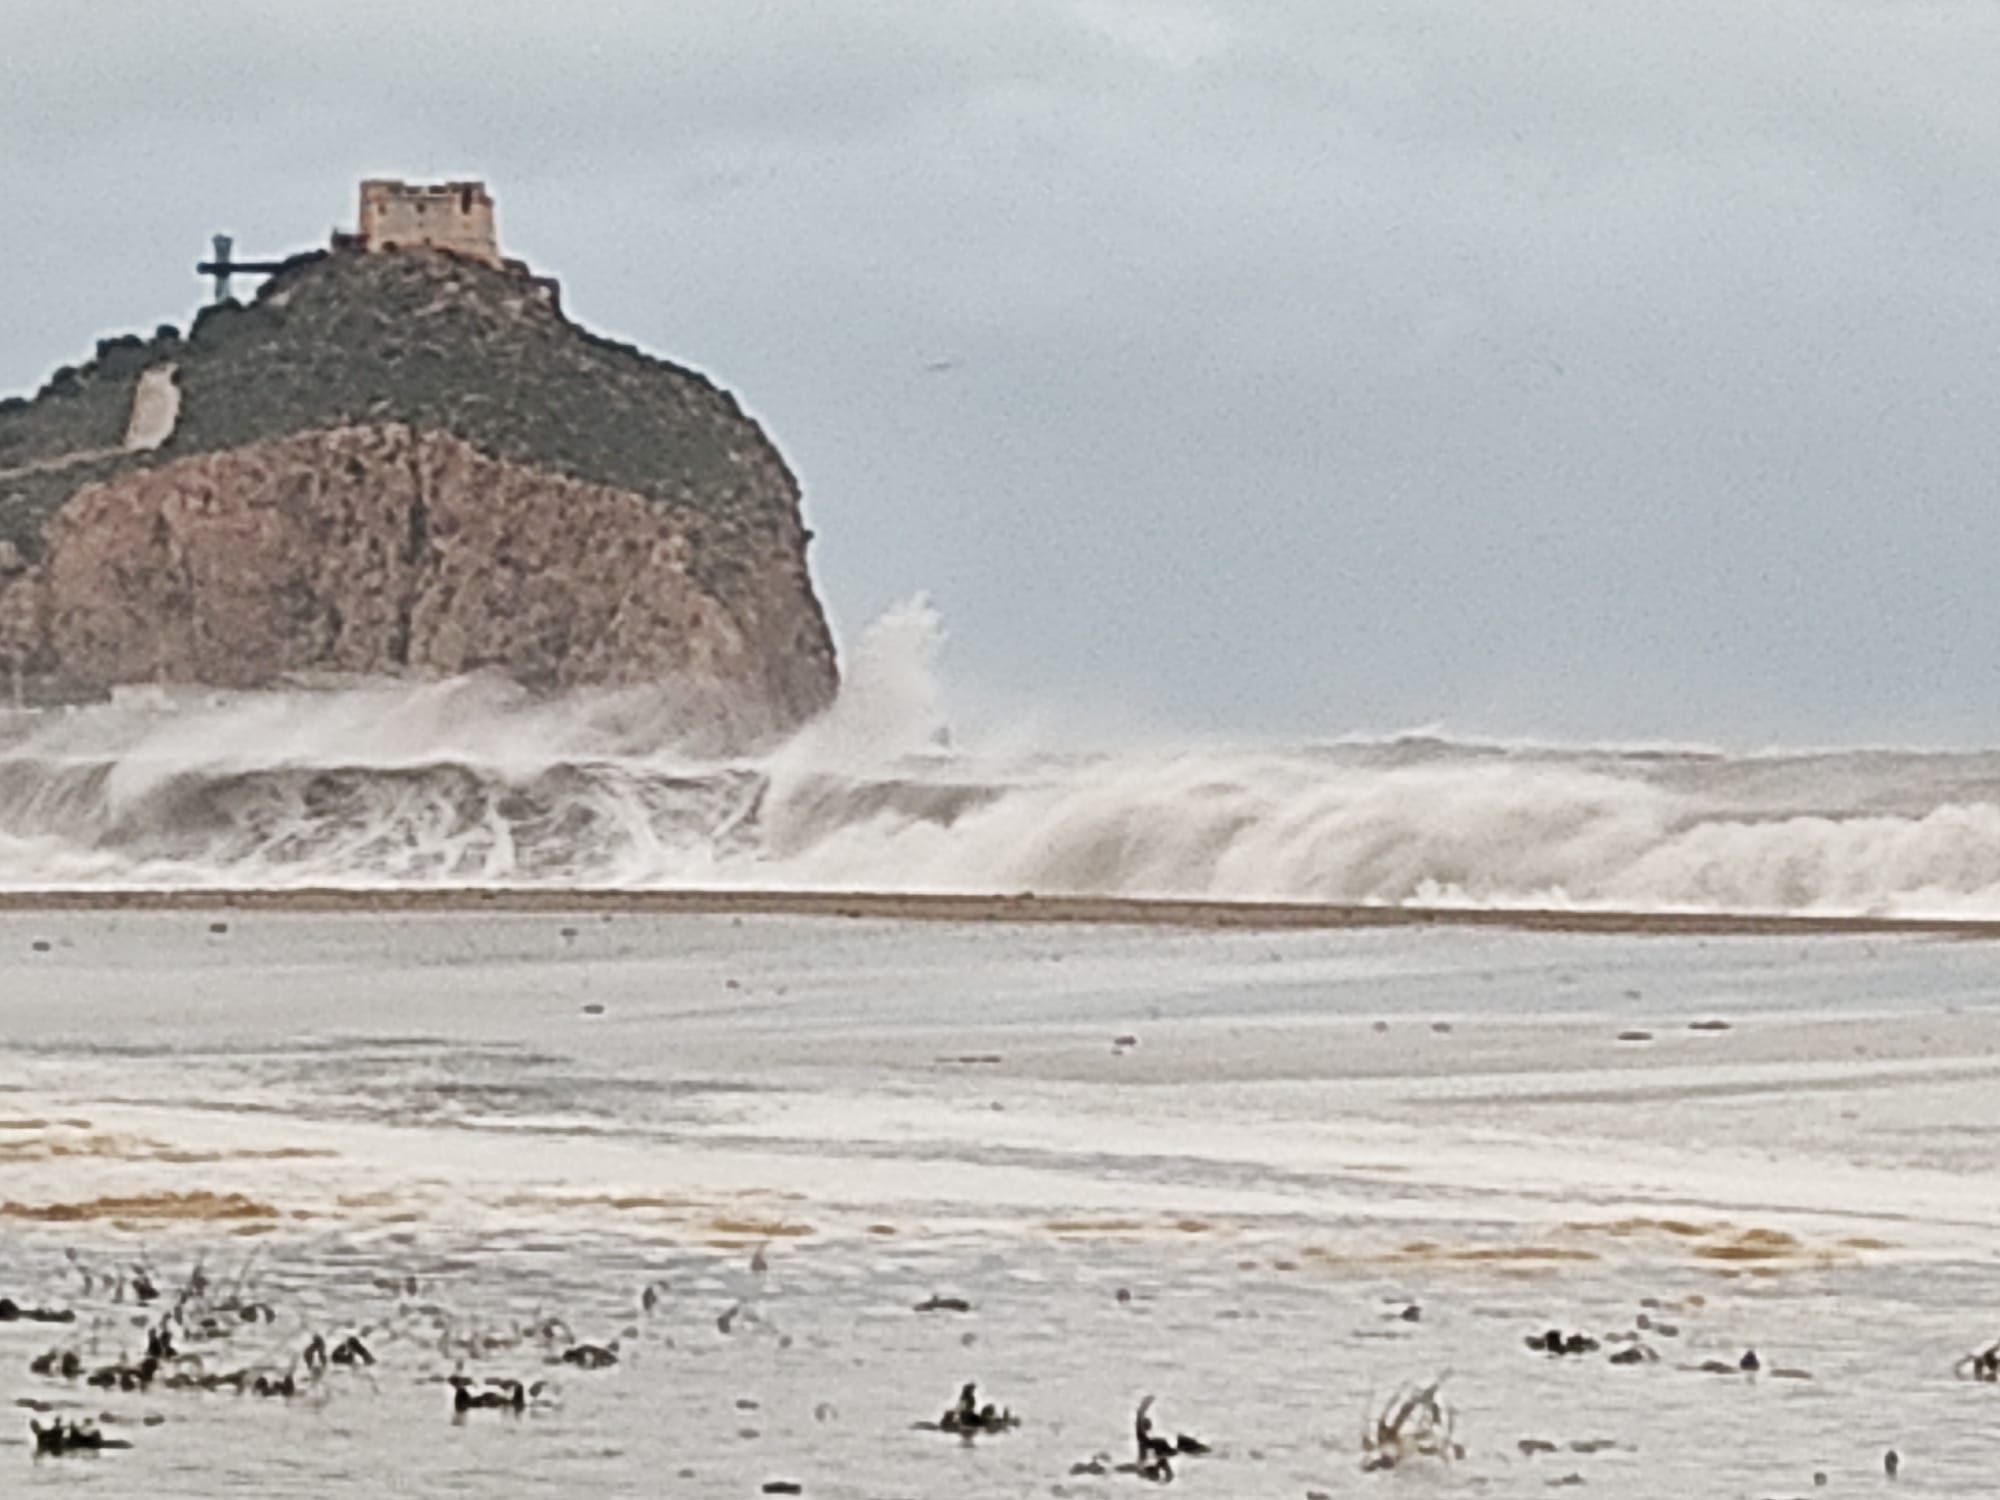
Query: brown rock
378	549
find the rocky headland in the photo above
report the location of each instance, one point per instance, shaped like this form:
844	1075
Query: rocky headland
408	465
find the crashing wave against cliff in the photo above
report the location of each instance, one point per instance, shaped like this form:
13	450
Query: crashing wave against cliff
402	465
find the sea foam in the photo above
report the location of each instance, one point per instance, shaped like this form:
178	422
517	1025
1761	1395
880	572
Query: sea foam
471	781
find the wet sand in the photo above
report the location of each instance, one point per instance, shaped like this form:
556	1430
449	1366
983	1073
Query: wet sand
1214	1163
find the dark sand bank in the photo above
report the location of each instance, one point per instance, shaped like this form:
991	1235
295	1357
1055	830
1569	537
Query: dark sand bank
938	907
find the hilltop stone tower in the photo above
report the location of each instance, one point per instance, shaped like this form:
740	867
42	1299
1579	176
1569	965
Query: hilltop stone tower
454	216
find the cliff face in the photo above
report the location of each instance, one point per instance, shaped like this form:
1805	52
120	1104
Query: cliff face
402	464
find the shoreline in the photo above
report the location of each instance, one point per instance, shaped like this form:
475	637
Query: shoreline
1138	911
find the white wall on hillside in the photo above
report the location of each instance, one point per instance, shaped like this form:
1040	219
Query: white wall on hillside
156	407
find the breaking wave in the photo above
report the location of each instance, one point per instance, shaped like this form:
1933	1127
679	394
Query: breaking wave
471	782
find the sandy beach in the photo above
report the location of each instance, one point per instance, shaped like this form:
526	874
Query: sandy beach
1216	1158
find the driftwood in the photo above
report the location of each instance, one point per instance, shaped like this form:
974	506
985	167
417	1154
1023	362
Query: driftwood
1413	1423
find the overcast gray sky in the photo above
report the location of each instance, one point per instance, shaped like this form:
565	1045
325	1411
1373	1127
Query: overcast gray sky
1274	365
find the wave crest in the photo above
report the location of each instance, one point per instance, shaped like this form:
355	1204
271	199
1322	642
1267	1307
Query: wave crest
473	782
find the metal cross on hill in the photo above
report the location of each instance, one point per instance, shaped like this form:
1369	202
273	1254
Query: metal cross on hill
222	267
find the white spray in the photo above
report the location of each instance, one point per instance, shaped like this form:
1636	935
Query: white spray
474	782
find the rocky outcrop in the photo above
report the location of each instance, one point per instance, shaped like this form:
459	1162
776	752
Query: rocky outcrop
402	464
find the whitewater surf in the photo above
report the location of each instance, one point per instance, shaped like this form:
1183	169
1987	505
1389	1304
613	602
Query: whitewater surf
472	783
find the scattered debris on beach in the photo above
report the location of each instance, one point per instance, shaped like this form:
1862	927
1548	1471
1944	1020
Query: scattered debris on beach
350	1351
969	1418
496	1395
1555	1341
63	1437
14	1312
1157	1453
1412	1424
145	1326
1749	1363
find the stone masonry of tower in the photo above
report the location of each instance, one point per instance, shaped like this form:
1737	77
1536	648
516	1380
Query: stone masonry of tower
454	216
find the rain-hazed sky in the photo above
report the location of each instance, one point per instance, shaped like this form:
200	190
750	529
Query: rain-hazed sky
1269	366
